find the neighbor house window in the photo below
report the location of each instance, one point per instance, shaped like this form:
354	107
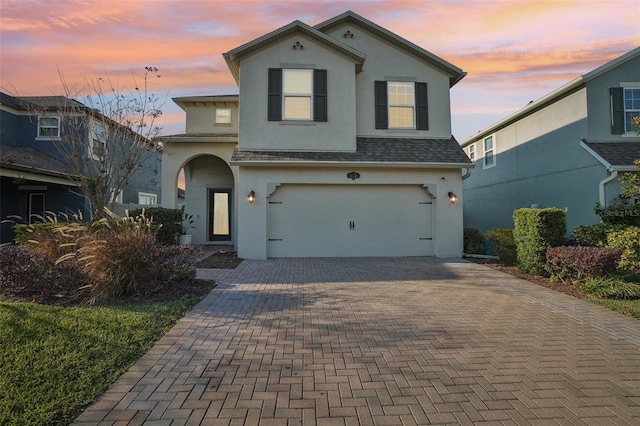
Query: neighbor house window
472	152
223	115
297	95
401	105
49	127
97	141
148	199
631	108
116	198
489	152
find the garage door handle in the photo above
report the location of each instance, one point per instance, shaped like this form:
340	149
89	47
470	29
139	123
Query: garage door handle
352	225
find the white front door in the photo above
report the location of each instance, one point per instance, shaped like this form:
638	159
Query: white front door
349	221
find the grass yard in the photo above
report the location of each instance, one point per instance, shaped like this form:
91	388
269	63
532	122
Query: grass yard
627	307
55	360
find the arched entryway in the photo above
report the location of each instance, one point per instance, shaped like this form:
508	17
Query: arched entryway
209	197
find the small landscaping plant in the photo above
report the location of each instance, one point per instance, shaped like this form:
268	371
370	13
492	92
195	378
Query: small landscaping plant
503	245
534	231
576	263
595	235
620	211
612	288
165	223
473	241
628	240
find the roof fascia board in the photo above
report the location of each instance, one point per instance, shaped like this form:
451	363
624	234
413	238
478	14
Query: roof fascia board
597	156
456	74
372	164
234	56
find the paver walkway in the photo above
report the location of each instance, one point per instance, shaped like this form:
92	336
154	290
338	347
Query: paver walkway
382	342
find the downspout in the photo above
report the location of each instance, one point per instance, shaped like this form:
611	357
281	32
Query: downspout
467	174
601	189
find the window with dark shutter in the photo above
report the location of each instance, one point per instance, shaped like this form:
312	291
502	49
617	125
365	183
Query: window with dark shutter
274	112
617	110
382	119
422	110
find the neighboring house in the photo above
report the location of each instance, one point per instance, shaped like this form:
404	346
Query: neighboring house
34	176
565	150
339	144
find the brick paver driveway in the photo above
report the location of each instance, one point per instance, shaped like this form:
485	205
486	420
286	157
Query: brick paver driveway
382	342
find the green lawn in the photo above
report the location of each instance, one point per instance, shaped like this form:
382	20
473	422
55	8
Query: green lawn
56	360
627	307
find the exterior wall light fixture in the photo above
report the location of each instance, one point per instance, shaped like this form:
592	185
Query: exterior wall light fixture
452	197
251	197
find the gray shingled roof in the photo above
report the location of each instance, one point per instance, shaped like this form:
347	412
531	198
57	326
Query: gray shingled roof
616	153
30	160
371	150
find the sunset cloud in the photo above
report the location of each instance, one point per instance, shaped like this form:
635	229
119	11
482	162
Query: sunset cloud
514	51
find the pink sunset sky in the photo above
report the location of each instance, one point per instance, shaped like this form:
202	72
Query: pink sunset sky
513	51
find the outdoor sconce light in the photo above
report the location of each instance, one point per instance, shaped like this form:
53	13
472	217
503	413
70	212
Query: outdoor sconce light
251	197
453	197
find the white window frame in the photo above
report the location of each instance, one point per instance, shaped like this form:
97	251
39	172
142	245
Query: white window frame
472	152
95	136
491	151
223	118
57	127
390	105
634	111
149	196
286	94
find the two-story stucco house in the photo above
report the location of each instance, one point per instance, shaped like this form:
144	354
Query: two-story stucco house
36	177
564	150
339	144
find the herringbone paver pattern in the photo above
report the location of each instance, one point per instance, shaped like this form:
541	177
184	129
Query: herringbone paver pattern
406	341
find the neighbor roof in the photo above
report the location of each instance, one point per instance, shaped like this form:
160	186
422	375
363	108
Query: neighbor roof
455	73
614	155
30	160
183	101
554	96
378	151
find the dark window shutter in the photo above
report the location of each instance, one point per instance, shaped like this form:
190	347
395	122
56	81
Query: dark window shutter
617	110
275	94
422	110
382	114
319	95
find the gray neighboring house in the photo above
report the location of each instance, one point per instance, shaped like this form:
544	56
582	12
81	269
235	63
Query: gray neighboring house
564	150
34	178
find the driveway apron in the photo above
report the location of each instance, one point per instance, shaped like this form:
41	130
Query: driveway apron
382	341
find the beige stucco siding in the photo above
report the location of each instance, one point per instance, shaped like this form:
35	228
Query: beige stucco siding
201	119
387	62
337	134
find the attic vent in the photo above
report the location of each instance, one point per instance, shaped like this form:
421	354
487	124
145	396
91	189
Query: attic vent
348	34
298	46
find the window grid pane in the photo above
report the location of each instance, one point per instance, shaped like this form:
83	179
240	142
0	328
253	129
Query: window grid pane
631	107
297	108
223	116
298	82
401	117
401	101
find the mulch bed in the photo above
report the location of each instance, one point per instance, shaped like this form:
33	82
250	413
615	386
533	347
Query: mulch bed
536	279
220	260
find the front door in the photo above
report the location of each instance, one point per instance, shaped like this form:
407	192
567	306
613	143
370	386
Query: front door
219	215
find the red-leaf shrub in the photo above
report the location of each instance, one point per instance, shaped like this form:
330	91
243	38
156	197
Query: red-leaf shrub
580	262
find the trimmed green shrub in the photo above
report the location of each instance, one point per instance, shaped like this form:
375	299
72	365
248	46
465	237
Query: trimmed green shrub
534	231
595	235
628	240
620	211
166	223
503	245
473	241
612	288
569	263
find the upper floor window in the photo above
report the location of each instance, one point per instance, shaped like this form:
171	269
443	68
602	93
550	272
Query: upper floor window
223	115
489	152
472	152
631	108
402	100
97	141
625	104
147	198
49	127
401	105
297	94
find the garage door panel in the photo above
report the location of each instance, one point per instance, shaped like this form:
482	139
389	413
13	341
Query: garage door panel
349	220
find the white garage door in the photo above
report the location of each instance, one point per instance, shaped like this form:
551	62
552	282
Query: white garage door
349	221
